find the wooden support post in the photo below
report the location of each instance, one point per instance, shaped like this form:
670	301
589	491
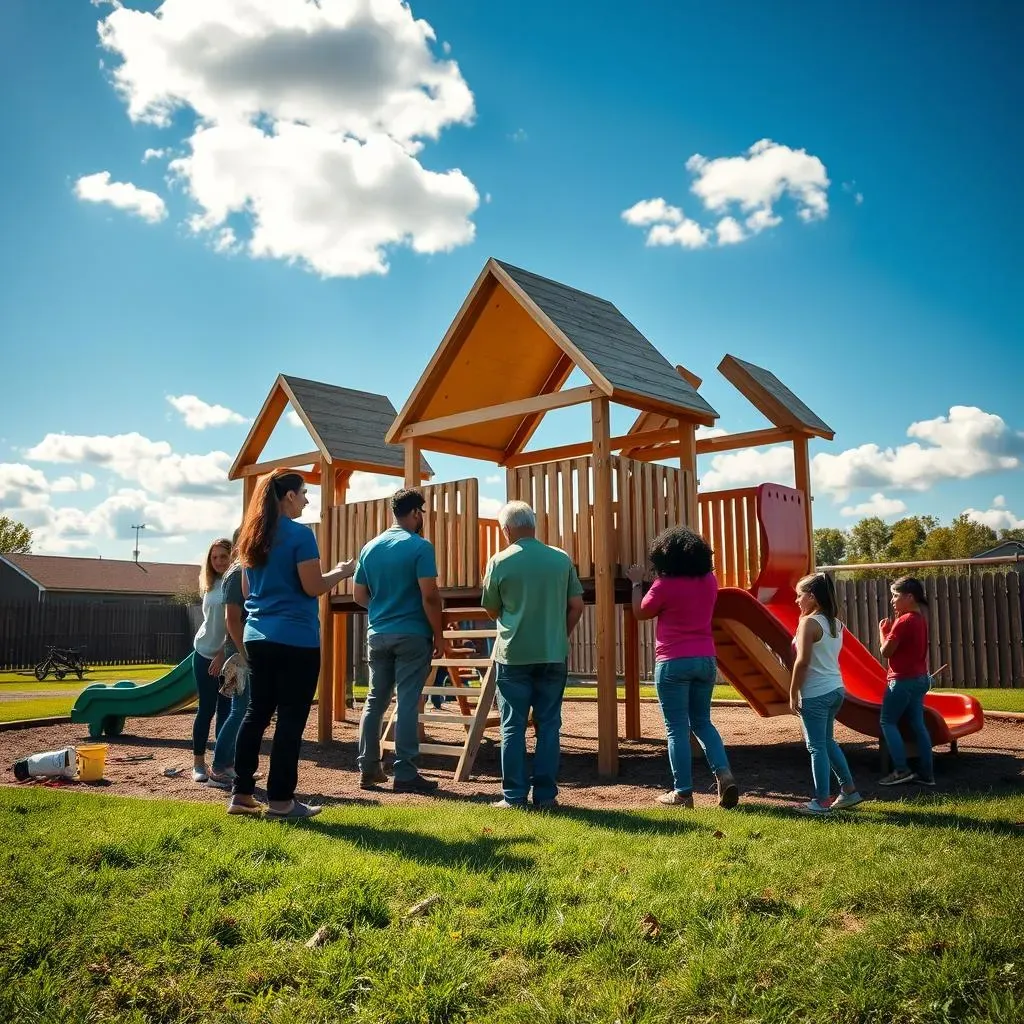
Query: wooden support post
631	659
604	587
325	707
412	462
802	473
339	673
248	489
688	476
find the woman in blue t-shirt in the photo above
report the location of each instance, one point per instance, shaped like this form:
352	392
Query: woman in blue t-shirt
281	581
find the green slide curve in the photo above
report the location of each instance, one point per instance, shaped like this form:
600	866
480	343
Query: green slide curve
104	708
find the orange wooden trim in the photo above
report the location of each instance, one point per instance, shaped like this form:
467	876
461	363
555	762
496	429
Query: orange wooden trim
261	429
259	468
560	373
442	358
746	439
550	328
647	404
571	451
521	407
469	451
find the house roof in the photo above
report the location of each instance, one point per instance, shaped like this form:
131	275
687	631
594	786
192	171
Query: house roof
346	425
1003	548
110	575
519	336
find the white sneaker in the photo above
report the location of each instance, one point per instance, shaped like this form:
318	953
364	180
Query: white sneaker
845	801
200	773
814	808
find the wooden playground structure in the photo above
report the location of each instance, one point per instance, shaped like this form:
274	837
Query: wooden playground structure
503	363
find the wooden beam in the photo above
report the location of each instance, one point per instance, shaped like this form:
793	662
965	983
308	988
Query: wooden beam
746	439
259	468
604	594
522	407
688	474
631	664
560	373
802	475
325	707
572	451
647	404
248	490
691	378
342	623
261	429
462	448
412	462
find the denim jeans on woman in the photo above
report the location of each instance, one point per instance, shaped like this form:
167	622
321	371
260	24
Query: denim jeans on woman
818	717
906	697
684	687
227	734
539	687
211	702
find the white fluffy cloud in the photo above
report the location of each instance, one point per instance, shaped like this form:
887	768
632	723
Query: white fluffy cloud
877	505
966	443
70	484
98	188
998	517
135	458
310	121
21	485
749	185
293	418
199	414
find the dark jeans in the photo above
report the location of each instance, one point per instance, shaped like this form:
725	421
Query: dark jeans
522	688
905	697
211	702
283	679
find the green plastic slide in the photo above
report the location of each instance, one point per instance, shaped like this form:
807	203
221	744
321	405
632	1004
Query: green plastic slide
105	708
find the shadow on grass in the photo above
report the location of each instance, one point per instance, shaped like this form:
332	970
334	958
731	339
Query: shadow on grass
486	852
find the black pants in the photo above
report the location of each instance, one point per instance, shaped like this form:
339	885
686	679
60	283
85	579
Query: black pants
283	679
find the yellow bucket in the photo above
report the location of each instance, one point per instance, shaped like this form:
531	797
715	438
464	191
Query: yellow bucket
91	760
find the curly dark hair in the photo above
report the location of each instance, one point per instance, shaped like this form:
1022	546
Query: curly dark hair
405	501
679	551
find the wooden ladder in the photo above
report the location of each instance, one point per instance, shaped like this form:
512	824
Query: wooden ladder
472	685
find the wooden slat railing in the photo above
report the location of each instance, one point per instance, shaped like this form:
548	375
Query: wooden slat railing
450	524
491	541
728	522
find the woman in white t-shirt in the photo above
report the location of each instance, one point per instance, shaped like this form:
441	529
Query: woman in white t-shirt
816	691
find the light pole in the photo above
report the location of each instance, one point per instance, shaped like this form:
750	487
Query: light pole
141	526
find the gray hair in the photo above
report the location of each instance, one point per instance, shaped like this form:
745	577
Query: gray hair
517	515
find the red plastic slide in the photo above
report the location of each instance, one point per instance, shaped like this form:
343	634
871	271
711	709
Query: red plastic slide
754	633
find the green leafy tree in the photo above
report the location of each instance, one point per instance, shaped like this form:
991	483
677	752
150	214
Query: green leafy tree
869	540
15	537
1016	533
906	537
829	545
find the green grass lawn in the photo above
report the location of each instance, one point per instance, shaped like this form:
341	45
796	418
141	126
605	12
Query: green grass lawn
135	911
35	707
100	674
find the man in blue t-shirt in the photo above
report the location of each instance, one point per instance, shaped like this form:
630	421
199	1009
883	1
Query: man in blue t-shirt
396	581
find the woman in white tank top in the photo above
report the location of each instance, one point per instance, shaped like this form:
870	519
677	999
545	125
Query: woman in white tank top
816	692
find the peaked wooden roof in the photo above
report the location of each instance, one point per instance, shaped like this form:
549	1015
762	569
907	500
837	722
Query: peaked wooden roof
772	398
347	426
519	336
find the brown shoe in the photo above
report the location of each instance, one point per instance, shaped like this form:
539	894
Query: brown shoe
369	780
676	799
728	791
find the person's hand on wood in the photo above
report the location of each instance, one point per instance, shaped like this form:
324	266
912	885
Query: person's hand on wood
635	574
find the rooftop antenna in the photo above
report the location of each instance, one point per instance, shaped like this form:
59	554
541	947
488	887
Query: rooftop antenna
141	526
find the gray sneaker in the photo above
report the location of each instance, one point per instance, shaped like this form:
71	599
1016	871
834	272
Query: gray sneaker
895	777
845	801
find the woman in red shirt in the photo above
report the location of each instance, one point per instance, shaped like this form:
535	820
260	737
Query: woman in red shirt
905	643
682	598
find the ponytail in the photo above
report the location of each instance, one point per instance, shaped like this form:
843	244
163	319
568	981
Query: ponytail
822	588
256	536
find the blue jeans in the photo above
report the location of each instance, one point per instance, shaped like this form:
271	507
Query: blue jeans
397	661
684	687
818	719
906	697
520	688
211	702
227	735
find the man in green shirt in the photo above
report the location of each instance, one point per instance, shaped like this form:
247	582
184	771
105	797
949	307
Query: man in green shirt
534	595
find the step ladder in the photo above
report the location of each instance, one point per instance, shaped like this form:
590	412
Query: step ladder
472	684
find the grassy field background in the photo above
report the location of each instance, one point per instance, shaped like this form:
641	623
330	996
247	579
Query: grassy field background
132	911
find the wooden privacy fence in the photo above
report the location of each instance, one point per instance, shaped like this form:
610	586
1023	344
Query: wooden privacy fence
975	628
115	633
450	524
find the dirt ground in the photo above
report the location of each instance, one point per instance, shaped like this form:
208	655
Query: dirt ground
768	758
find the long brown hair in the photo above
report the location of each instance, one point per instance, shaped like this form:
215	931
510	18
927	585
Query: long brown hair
207	574
262	515
822	588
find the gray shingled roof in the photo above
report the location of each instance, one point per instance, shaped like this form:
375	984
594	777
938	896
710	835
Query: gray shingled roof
350	424
774	387
615	347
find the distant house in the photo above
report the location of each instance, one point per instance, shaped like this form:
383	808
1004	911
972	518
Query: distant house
1005	549
37	577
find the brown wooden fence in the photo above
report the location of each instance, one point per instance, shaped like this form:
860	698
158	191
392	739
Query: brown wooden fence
118	633
975	628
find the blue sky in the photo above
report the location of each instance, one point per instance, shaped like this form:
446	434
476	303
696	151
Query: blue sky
888	302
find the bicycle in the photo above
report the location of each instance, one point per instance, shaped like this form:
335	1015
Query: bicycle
60	661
